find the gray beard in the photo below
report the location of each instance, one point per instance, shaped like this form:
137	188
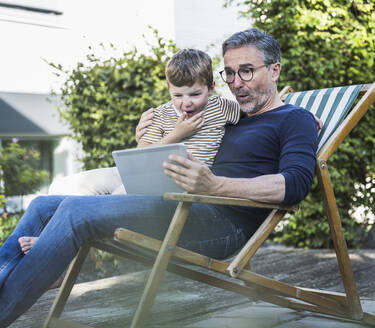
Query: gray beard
258	100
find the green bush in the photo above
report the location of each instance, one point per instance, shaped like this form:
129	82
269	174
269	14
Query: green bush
7	224
19	171
327	43
19	176
105	98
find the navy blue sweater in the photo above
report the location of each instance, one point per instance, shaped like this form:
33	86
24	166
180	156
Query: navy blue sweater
283	140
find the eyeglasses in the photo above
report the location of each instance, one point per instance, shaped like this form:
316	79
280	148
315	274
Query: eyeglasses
246	74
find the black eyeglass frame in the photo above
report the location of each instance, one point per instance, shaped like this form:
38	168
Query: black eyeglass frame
252	69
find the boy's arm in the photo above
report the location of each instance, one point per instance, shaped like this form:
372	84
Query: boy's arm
231	110
172	137
184	128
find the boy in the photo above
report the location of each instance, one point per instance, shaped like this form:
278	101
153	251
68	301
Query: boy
193	115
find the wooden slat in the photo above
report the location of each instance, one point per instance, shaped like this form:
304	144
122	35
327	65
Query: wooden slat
255	292
221	267
258	293
182	197
161	263
284	92
365	88
256	240
339	240
336	296
67	285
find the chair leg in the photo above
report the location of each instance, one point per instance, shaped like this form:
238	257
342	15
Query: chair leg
339	241
67	285
161	263
256	240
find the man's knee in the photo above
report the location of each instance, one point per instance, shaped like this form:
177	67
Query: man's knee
58	186
74	184
91	182
38	202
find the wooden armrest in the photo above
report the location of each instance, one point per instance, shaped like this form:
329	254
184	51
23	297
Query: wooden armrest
192	198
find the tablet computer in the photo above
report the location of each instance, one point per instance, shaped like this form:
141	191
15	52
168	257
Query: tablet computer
142	171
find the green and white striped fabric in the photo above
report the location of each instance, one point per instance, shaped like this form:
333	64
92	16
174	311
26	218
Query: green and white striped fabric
330	105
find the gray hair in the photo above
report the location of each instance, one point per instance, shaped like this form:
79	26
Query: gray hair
264	42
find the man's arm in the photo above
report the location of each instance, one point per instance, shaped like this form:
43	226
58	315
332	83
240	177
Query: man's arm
144	122
196	177
298	135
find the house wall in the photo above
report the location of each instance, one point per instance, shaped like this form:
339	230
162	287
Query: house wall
30	40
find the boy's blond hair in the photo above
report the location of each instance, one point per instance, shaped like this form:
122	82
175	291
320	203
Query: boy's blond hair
189	66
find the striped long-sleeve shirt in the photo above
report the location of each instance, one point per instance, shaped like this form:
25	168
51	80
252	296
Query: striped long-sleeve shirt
205	143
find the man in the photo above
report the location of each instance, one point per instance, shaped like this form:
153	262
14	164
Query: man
269	156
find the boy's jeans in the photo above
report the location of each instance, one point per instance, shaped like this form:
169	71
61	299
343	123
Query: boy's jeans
63	224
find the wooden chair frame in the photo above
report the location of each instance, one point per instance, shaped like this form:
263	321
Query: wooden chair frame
345	305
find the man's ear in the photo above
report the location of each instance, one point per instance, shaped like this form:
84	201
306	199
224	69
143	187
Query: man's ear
276	69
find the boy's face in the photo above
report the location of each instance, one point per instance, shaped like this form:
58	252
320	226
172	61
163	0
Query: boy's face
190	100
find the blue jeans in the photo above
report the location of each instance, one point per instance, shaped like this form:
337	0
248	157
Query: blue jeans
64	223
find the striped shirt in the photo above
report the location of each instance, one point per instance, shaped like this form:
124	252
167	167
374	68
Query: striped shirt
205	143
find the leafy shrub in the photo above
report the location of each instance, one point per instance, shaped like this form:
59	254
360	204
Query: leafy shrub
19	170
7	224
104	99
19	175
328	43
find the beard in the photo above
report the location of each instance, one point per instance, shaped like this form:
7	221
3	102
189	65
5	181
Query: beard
252	101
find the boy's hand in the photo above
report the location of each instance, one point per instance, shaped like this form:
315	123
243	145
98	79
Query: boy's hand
185	127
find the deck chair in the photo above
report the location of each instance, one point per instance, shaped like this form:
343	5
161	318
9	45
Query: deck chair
340	109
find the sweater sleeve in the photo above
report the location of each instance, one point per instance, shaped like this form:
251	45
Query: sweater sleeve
298	144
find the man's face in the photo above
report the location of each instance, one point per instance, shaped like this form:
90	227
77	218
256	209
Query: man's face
254	95
190	100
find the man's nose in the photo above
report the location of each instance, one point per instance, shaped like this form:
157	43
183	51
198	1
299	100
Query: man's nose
237	83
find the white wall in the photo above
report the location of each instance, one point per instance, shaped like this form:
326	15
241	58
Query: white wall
29	39
204	24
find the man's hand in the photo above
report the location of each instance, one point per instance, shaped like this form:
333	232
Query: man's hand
185	127
318	121
144	122
191	175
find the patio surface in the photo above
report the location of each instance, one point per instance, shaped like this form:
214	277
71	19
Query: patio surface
111	302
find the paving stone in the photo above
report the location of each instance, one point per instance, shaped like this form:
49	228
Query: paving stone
319	322
111	302
261	315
